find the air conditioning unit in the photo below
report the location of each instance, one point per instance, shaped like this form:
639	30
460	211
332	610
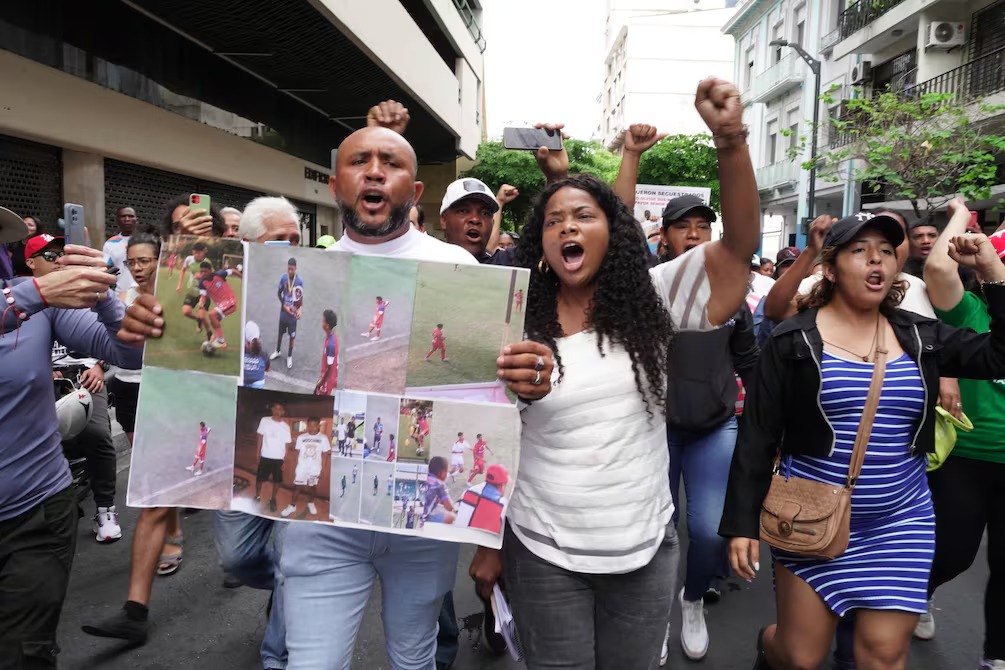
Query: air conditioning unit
861	73
945	35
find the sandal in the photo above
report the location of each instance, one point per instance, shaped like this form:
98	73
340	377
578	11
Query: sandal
168	564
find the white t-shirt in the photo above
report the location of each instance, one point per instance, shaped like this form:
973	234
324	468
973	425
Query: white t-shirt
412	245
761	284
460	446
915	299
309	449
342	432
275	436
593	494
115	255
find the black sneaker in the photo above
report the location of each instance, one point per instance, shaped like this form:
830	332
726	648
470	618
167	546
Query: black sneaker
120	627
493	641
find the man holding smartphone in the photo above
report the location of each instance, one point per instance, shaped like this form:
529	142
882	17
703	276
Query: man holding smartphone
115	247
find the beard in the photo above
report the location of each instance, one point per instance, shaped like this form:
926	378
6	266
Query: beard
396	220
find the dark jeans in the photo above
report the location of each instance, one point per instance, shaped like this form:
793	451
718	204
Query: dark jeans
590	621
447	637
36	553
702	459
95	443
967	495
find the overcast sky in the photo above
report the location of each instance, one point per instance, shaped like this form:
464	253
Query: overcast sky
544	62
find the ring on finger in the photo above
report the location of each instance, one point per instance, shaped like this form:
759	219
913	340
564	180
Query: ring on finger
540	364
537	378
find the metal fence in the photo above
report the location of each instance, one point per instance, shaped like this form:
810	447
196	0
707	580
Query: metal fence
862	13
979	78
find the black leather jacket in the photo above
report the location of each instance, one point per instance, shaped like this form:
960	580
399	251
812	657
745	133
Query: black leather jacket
783	411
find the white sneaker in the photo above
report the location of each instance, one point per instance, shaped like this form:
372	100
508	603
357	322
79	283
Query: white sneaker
925	628
290	509
219	343
693	633
364	334
274	355
312	508
197	473
991	664
106	525
375	338
665	651
190	468
289	362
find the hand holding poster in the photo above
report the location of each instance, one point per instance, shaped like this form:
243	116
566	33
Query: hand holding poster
361	391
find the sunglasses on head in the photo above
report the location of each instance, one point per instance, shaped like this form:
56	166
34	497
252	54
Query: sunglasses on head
50	255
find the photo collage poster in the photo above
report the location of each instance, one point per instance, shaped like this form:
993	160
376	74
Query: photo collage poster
313	385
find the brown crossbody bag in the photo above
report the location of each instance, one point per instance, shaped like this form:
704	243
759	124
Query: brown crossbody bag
807	518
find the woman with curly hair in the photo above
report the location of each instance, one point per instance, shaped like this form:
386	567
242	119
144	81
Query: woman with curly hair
589	556
806	406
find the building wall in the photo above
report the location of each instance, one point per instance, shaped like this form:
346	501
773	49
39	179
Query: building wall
654	65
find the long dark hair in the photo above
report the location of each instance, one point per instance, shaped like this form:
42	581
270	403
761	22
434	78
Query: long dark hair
823	291
625	308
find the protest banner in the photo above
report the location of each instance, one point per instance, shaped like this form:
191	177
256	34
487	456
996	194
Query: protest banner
312	385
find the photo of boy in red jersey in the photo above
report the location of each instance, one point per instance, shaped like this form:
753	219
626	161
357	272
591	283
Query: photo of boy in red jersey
213	287
439	344
328	381
378	320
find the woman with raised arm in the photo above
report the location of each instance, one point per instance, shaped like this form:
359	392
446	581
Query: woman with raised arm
806	406
966	490
590	555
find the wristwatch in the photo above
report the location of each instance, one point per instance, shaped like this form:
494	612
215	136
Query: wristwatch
732	140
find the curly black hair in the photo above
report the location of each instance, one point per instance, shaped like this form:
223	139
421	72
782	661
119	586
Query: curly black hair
625	308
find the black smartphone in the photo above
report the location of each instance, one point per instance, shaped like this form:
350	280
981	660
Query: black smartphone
532	139
73	223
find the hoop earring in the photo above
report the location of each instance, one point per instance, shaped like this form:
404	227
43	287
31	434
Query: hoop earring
542	266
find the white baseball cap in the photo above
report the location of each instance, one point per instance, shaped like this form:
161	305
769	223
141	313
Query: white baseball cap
12	227
251	331
468	187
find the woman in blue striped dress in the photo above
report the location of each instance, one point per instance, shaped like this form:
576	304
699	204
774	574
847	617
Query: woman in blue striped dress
807	402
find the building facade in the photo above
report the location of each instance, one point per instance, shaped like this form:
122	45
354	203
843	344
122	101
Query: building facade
656	53
864	47
135	102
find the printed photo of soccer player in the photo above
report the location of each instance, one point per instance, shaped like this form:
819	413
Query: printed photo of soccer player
282	454
349	425
377	495
378	321
474	452
409	494
381	427
295	299
463	317
183	453
415	427
346	489
207	292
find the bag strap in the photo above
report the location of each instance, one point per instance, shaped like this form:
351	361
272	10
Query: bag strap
871	405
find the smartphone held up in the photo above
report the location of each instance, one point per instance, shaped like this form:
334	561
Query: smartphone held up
532	139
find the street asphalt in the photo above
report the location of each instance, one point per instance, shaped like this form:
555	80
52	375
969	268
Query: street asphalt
199	625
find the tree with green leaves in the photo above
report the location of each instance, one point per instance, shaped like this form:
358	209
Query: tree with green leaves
924	148
682	160
497	166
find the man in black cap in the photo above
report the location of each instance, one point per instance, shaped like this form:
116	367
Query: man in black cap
784	260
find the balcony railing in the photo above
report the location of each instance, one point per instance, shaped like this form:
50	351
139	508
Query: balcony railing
786	74
828	41
778	174
861	14
979	78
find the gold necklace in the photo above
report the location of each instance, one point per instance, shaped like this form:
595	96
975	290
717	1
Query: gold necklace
872	348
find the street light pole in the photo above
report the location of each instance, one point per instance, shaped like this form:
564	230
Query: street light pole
815	69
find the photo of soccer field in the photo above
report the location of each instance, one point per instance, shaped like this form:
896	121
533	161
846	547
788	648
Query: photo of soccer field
181	346
408	447
385	409
477	309
171	405
376	503
345	503
500	429
320	277
376	361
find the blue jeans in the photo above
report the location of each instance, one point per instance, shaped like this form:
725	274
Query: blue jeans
328	573
242	540
703	458
447	644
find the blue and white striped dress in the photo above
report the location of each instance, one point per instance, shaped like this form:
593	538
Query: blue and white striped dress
892	540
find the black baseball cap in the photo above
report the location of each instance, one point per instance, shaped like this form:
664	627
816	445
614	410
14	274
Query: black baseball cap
845	230
681	206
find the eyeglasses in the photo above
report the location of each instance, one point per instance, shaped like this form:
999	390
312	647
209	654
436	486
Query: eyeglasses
144	262
50	255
